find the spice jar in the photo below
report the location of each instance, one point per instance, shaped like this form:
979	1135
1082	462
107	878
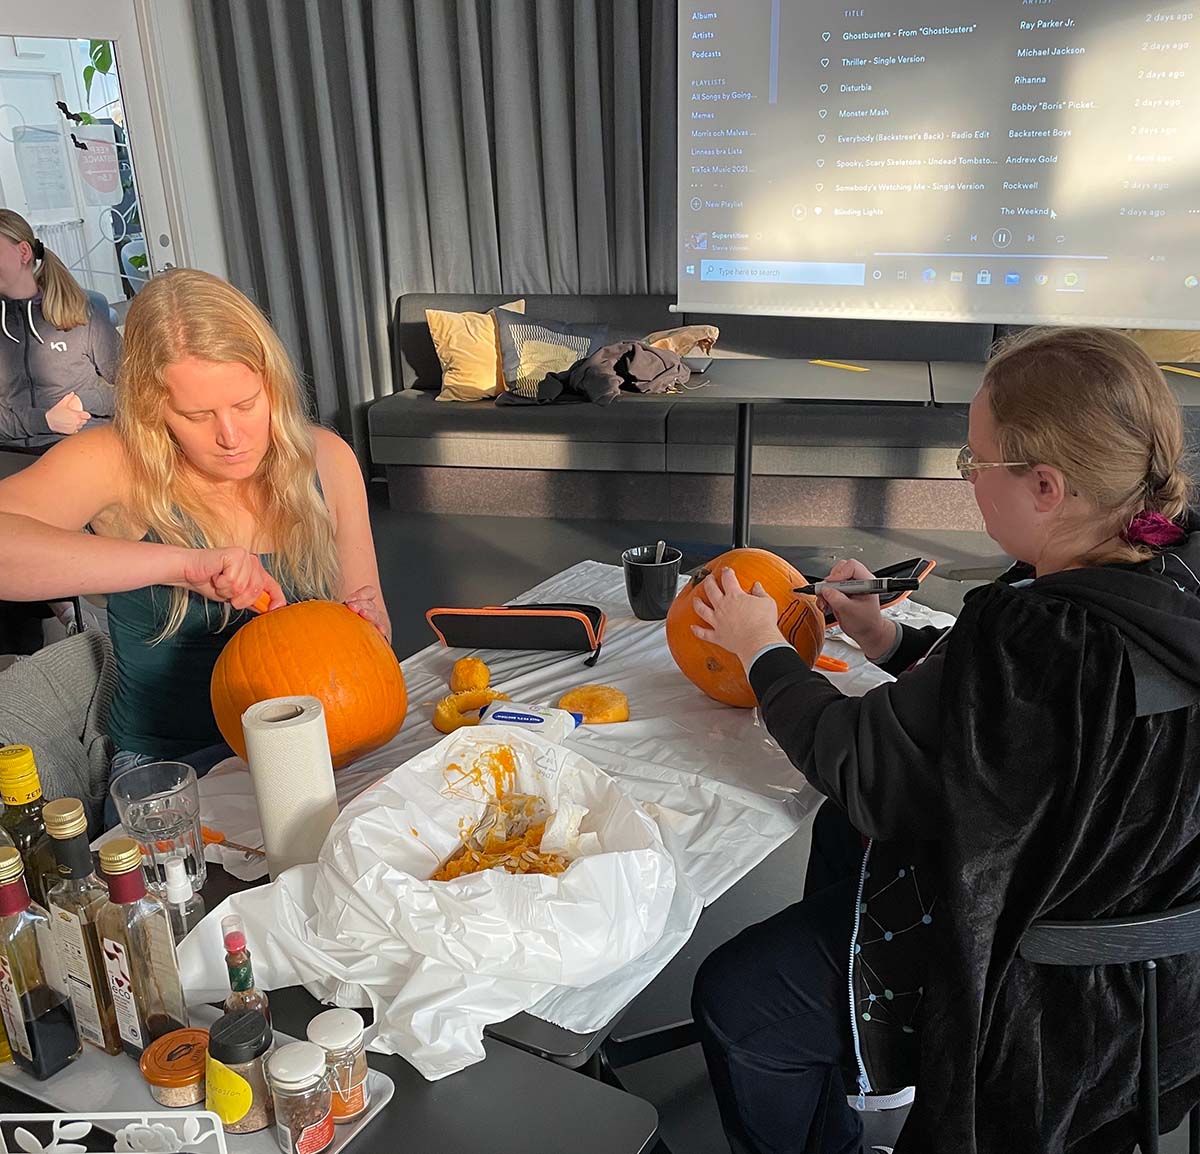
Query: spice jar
173	1067
235	1082
340	1034
303	1106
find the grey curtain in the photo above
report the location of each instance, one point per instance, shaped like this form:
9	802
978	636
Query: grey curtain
368	148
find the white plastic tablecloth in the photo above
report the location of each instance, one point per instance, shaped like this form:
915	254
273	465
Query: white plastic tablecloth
722	791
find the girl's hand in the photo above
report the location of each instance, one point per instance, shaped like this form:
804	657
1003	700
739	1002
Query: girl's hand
859	617
232	575
740	622
368	604
68	416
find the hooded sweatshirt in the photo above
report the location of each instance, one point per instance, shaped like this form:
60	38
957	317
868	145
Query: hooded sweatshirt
39	365
1042	762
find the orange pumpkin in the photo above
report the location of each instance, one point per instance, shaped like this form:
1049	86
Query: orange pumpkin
717	671
323	650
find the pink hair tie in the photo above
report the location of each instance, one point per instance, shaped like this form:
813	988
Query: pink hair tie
1153	529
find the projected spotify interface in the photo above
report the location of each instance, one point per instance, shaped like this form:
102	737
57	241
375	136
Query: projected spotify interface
1005	160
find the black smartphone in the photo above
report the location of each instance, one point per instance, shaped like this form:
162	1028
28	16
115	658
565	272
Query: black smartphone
917	568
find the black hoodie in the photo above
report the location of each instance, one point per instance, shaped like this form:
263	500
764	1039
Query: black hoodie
1044	761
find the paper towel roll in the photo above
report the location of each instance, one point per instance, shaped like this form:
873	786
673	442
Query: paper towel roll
287	750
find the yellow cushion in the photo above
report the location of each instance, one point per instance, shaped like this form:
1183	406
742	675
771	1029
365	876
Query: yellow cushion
468	348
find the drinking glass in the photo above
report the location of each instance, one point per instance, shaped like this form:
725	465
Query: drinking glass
159	806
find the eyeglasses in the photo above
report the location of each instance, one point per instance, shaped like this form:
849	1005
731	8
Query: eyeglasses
967	465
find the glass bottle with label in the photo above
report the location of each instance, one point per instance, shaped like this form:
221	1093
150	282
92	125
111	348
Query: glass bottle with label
21	792
243	994
74	901
5	1050
34	1000
139	951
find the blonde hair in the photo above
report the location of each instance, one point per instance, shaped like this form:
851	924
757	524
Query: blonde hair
63	302
187	313
1093	404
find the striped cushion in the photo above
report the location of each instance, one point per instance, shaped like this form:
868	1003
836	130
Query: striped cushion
530	349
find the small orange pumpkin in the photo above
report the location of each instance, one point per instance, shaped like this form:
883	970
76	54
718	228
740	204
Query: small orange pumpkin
323	650
717	671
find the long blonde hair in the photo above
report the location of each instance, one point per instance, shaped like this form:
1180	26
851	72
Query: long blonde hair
187	313
1093	403
63	302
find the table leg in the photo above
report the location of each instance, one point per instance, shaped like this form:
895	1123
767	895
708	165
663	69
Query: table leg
743	469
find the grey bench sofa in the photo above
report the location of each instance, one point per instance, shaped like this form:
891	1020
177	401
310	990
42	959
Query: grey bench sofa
655	445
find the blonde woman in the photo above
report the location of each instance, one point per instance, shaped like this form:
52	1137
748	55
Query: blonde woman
1040	760
210	488
58	348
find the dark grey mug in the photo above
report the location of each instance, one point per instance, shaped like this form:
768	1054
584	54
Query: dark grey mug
651	587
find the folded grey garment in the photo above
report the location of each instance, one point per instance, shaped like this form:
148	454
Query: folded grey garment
57	703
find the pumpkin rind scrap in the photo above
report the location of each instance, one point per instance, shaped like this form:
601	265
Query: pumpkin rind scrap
599	704
318	649
718	672
469	673
459	709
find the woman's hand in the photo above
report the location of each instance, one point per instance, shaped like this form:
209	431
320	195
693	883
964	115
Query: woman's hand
68	416
859	617
232	574
368	604
736	620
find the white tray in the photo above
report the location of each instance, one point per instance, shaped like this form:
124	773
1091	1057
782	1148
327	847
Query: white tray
97	1082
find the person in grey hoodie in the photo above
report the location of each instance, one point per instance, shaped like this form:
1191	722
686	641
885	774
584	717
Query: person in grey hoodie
59	349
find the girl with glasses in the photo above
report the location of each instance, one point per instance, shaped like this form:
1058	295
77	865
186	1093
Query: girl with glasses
1039	760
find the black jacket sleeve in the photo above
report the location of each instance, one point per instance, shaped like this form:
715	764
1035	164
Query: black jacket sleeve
914	644
876	755
19	419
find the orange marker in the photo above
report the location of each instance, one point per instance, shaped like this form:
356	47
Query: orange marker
833	664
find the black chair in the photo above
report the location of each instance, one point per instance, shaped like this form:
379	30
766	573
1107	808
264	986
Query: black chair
1142	941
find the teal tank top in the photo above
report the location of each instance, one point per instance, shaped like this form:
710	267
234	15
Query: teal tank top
161	705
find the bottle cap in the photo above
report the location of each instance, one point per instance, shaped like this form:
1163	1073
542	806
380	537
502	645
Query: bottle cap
233	933
19	782
179	885
240	1037
122	855
336	1030
11	865
64	818
296	1065
176	1059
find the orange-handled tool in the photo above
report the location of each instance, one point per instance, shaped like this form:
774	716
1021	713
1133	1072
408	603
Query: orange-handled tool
833	664
262	603
212	836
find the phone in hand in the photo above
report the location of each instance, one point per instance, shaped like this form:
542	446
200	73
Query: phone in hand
917	568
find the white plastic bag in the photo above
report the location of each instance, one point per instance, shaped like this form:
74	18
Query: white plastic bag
438	961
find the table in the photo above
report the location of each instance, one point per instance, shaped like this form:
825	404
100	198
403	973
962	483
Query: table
722	791
748	382
512	1103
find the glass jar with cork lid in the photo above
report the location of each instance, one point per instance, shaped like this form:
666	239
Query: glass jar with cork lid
340	1034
